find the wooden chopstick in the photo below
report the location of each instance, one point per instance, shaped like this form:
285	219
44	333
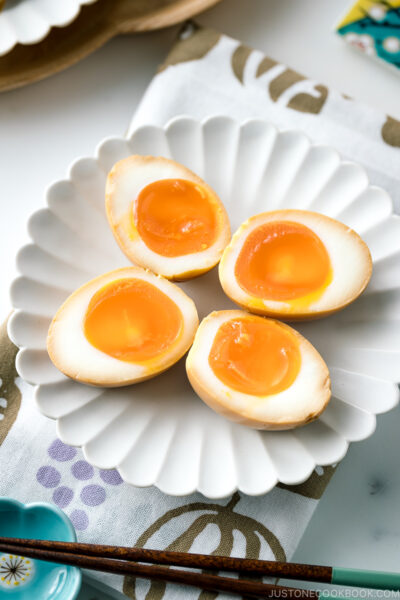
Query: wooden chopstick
115	555
214	583
271	568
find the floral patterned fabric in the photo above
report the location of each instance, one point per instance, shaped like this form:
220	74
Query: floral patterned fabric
374	28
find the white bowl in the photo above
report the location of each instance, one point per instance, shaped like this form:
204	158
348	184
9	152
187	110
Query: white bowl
159	432
29	21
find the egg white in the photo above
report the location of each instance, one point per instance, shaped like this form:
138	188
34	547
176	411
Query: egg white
350	261
74	355
125	181
300	403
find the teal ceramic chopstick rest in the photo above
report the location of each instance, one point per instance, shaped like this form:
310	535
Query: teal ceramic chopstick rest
23	578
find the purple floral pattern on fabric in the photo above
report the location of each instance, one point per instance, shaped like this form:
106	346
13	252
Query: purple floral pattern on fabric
61	452
93	495
82	470
79	498
111	476
48	477
62	496
79	519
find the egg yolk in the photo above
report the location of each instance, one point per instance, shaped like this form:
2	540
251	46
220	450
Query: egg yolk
255	356
281	260
132	320
176	217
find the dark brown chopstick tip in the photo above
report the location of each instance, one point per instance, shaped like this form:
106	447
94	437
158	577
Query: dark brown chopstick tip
210	582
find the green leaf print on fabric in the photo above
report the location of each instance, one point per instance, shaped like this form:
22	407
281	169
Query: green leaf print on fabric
239	60
314	486
10	396
391	132
227	521
193	43
285	80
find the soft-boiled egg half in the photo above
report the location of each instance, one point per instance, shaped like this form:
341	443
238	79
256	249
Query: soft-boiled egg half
164	217
121	328
294	264
256	371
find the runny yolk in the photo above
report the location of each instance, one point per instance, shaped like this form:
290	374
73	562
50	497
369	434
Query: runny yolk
175	217
132	320
255	356
282	260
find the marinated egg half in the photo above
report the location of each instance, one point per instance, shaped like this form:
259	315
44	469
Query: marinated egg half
164	217
122	327
294	264
256	371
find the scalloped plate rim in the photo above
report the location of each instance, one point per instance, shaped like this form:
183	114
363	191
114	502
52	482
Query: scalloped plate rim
96	157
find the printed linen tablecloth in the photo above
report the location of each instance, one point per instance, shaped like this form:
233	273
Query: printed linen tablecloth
206	73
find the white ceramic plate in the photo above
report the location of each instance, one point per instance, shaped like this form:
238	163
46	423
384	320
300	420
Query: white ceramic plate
159	432
29	21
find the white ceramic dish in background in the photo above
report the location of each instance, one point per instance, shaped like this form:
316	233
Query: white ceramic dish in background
159	432
29	21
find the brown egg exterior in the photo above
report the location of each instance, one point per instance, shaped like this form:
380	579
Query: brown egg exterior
79	372
135	161
293	316
222	407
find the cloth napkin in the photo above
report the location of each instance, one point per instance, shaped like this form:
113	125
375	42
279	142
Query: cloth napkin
374	29
206	73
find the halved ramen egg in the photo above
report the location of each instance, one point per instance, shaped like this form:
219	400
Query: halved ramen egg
122	327
256	371
164	217
294	264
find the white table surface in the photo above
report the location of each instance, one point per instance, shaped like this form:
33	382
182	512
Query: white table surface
47	125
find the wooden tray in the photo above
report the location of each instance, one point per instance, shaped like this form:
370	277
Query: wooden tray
95	25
